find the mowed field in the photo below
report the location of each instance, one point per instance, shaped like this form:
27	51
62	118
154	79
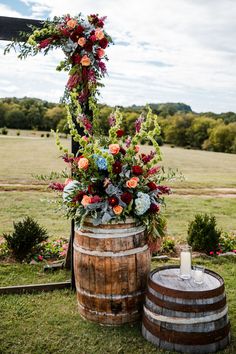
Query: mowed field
209	185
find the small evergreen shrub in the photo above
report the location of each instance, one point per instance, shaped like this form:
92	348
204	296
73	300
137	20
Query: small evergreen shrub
168	245
4	131
203	234
18	132
25	238
42	135
48	135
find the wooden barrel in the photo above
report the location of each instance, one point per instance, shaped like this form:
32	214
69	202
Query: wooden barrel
111	264
182	316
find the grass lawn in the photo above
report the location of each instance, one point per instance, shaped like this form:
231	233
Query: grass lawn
49	323
21	157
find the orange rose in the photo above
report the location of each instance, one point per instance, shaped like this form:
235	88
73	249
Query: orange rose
114	149
117	209
82	41
99	34
100	52
83	163
132	182
71	23
85	61
136	148
86	200
67	181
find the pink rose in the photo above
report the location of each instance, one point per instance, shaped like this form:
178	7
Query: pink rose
85	61
83	163
82	41
99	34
114	149
136	148
86	200
132	182
71	23
100	52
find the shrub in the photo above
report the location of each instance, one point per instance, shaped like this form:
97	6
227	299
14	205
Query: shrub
26	237
203	234
168	245
4	131
18	132
42	135
227	242
48	135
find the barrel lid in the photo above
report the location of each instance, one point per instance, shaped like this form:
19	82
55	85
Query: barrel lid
166	280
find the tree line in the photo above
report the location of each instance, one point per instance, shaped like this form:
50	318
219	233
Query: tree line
180	126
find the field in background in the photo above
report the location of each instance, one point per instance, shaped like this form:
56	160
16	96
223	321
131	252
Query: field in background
209	185
22	156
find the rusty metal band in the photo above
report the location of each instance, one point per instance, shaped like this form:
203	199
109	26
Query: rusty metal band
186	338
186	294
186	307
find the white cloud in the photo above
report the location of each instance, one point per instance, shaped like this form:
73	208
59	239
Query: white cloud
8	11
193	41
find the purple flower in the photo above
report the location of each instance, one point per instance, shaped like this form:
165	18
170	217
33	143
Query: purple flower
128	141
102	66
85	121
138	123
112	120
91	76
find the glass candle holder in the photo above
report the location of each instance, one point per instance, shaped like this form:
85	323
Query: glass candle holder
198	274
185	262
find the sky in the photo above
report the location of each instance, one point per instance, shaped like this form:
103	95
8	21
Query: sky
165	51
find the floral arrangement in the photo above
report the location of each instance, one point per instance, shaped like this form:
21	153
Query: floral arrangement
109	178
112	178
83	41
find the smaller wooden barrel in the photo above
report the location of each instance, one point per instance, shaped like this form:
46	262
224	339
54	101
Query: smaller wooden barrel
182	316
111	264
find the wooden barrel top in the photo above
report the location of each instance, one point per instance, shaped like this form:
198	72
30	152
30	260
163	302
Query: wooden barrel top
167	281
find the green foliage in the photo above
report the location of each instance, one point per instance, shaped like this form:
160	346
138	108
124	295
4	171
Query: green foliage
222	138
4	131
25	238
227	242
168	245
203	234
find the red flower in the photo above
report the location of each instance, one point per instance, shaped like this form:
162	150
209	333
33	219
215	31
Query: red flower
152	186
117	167
103	43
93	38
88	46
73	81
96	199
137	170
164	189
91	189
44	43
113	201
76	58
154	208
211	253
65	31
120	133
57	186
122	150
126	197
40	258
78	197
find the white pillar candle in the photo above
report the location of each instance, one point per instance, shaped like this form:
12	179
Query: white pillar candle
198	274
185	264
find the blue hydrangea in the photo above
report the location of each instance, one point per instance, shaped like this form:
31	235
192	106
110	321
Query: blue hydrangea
101	163
142	203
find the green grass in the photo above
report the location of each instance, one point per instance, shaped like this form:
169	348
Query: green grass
22	157
22	274
180	210
49	323
16	205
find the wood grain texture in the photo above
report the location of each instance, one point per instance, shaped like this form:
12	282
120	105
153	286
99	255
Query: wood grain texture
111	263
182	316
10	27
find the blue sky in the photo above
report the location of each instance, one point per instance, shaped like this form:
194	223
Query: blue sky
165	51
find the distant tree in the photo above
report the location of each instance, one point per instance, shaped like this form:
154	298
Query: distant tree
176	130
16	119
222	138
199	130
53	116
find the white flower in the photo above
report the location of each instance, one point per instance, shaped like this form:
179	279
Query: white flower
142	203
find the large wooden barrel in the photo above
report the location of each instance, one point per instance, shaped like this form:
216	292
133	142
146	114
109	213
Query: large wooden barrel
111	264
182	316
